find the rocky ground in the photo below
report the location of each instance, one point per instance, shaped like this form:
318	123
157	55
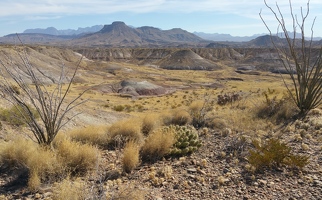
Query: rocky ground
218	170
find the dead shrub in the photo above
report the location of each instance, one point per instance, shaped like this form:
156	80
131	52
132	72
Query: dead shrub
276	109
150	122
217	123
130	156
199	111
125	130
94	135
77	157
158	144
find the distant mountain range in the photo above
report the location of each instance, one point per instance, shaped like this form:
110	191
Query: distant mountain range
118	34
54	31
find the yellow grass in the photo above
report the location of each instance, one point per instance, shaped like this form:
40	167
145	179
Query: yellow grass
77	157
150	122
130	156
40	162
93	134
158	144
124	130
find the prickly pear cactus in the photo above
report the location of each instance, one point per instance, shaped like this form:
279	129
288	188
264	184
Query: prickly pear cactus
187	140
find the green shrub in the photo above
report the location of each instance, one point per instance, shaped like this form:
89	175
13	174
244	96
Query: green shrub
15	116
118	108
274	154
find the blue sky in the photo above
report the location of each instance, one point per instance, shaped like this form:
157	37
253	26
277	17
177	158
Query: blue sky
238	18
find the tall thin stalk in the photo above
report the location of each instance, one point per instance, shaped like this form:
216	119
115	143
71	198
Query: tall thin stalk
299	55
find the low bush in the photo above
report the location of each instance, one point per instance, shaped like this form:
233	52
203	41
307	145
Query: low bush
40	163
130	156
227	98
77	157
14	115
158	144
70	190
125	130
198	111
276	109
94	135
274	154
150	122
180	117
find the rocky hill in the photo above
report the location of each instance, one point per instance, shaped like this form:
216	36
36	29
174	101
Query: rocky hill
121	35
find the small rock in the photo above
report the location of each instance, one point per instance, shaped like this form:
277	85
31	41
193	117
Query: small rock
270	184
317	183
192	170
262	182
202	172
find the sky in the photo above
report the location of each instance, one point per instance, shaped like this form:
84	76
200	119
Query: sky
238	18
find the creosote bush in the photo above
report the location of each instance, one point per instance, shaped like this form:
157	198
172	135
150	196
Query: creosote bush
131	157
273	154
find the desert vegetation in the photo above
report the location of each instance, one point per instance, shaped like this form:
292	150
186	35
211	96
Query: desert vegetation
143	132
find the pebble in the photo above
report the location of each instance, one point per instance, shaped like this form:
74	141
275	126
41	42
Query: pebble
192	170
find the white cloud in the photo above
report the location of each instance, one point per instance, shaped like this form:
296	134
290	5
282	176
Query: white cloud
66	7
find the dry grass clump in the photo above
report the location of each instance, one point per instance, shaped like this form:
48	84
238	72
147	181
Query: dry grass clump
131	156
180	117
150	122
125	130
77	157
69	190
276	109
40	162
199	111
128	191
158	144
217	123
94	135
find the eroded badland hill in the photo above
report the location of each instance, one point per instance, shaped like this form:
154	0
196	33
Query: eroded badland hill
227	99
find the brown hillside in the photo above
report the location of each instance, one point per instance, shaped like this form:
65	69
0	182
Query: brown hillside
187	59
